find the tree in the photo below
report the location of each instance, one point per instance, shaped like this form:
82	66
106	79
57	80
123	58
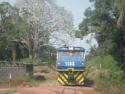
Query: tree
102	21
44	17
120	6
12	28
48	54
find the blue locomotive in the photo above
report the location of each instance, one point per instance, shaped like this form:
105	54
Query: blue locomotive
70	65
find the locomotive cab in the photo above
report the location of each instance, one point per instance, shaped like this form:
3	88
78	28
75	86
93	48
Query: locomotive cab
70	65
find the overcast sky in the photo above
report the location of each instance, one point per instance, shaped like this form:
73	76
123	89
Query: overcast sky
77	7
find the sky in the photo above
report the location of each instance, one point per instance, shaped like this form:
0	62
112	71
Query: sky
77	7
11	1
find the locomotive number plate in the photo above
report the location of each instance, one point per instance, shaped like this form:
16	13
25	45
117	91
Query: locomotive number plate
70	63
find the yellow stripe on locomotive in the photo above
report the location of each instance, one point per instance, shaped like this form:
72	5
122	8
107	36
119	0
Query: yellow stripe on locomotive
68	78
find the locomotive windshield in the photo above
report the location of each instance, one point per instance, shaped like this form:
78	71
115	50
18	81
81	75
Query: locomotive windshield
65	52
69	53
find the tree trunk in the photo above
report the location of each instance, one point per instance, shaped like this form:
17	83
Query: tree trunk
14	53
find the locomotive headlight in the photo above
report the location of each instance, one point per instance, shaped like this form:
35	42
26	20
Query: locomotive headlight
71	48
58	63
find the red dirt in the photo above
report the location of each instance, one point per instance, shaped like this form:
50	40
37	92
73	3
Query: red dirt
50	87
52	90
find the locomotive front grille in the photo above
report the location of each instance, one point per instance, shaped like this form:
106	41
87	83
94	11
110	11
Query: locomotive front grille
71	78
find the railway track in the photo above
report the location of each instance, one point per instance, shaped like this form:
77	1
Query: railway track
69	90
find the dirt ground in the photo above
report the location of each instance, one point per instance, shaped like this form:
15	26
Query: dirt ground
48	87
51	90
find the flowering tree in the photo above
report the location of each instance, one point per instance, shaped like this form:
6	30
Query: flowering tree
44	17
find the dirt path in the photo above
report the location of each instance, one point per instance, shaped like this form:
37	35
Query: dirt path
49	87
52	90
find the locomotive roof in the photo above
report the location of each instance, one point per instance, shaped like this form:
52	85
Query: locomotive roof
73	49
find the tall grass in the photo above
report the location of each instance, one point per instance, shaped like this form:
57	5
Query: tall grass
8	92
107	76
42	69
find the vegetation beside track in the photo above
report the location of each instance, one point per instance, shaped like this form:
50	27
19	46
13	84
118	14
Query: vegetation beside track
106	64
106	75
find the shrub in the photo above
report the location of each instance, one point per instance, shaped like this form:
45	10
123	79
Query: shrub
107	76
110	87
36	80
25	61
20	80
8	92
42	69
45	69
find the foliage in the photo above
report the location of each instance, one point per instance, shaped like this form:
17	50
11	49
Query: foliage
8	92
78	34
48	54
111	87
33	83
12	29
11	24
42	69
20	80
106	63
105	74
119	5
25	30
102	21
44	17
103	63
25	61
45	69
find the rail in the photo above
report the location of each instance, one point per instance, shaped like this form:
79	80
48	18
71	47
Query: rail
66	90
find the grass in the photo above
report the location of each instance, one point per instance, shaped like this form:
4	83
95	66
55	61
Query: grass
25	61
34	82
108	77
19	80
39	66
42	69
110	87
8	92
24	80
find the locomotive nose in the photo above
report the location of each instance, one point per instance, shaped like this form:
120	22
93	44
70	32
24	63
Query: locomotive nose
71	78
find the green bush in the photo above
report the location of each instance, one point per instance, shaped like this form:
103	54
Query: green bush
33	82
107	62
8	92
25	61
20	80
30	61
42	69
45	69
110	87
107	76
36	80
